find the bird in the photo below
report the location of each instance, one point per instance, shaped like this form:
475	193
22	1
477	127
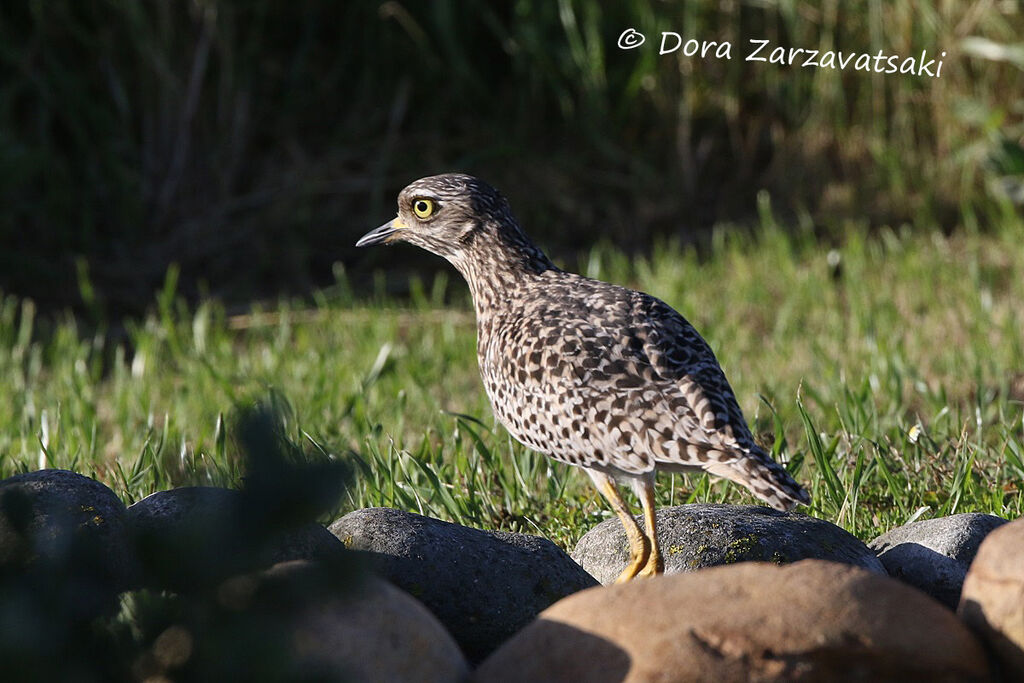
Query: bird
592	374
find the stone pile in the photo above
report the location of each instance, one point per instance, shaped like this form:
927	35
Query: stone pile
749	593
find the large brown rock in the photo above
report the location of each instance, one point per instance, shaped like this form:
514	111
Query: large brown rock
808	621
992	602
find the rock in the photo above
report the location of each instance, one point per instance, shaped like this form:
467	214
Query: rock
754	621
483	585
297	621
373	632
69	531
192	538
706	535
934	554
992	602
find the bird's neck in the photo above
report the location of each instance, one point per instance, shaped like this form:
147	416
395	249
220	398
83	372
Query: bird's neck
494	268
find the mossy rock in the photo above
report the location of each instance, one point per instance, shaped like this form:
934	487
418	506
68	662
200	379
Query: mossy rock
707	535
67	533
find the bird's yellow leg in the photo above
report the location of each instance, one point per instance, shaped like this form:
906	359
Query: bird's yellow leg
639	547
654	564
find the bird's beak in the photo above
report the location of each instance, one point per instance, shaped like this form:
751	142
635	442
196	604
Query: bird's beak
381	234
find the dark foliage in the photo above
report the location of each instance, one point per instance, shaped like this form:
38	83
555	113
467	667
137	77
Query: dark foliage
251	141
57	622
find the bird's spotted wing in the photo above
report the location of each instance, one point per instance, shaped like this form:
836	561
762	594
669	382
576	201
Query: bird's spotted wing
722	444
678	355
592	374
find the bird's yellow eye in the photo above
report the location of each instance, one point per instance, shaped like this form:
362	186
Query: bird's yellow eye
423	208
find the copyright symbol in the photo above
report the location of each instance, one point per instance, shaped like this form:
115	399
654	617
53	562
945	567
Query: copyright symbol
630	39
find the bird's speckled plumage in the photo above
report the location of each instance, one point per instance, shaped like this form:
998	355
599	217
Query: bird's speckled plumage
589	373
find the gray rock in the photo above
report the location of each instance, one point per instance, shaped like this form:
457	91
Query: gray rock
69	530
482	585
706	535
296	621
934	554
366	630
192	538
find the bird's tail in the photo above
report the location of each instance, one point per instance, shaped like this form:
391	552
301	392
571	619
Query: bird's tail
765	478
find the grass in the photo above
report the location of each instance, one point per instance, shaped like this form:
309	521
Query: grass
888	371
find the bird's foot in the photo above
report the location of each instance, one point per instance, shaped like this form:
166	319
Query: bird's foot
654	565
630	572
640	551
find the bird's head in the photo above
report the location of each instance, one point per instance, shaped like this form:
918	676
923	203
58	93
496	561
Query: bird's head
444	214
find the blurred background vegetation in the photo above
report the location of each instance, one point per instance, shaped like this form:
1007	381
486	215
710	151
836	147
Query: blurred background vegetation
250	142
